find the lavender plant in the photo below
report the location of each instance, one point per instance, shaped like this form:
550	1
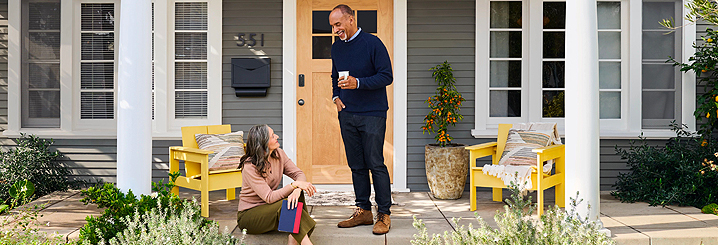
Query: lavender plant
516	226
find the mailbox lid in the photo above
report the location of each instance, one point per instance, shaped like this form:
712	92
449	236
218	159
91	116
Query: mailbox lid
251	72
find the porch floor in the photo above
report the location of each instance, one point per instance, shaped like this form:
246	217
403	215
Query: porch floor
635	223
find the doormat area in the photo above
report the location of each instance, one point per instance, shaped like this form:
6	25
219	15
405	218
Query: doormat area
338	198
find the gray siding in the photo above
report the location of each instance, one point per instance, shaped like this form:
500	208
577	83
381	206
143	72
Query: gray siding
437	31
245	16
3	65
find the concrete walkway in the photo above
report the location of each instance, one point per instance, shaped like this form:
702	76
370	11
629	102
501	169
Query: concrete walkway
635	223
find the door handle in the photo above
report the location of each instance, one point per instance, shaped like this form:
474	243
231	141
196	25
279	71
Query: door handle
300	102
301	80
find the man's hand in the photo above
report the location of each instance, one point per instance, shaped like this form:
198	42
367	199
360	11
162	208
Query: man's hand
339	104
293	198
348	83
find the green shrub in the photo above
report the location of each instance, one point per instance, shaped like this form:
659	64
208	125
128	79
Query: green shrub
32	160
710	209
677	173
119	205
160	227
515	226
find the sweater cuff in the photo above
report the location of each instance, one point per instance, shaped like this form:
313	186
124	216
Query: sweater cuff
357	83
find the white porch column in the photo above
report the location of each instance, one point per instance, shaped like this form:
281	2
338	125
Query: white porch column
134	97
582	121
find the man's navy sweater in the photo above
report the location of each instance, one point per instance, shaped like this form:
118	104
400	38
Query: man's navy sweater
366	58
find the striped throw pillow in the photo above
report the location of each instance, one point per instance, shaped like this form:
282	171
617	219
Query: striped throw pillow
228	149
519	146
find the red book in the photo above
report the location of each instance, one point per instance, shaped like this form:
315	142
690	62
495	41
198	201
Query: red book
289	218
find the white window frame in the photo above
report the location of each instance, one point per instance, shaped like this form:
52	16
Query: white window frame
629	126
71	126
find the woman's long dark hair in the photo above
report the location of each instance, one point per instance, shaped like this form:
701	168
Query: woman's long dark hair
257	150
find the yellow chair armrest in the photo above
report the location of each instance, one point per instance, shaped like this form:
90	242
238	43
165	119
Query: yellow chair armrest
550	152
190	150
481	146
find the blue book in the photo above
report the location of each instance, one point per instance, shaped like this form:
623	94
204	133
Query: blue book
289	218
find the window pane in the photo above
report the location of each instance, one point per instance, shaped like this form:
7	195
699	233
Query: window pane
191	104
44	104
505	103
191	46
610	105
98	46
654	12
554	15
367	20
191	75
191	16
44	16
320	22
97	75
554	44
554	74
609	45
44	76
321	47
659	76
609	75
505	74
658	105
505	44
609	15
658	45
97	105
98	17
505	14
44	45
553	103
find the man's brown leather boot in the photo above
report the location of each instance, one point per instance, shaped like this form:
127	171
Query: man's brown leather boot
383	223
360	217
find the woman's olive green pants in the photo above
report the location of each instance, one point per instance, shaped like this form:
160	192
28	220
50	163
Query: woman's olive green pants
265	218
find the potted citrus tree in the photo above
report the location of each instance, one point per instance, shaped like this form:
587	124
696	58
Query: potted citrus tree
447	163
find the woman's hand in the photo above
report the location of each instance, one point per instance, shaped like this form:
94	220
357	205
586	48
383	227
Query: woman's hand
293	198
305	186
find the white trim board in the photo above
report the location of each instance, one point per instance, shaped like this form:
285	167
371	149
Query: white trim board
289	88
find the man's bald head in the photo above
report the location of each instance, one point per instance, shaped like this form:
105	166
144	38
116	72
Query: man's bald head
342	21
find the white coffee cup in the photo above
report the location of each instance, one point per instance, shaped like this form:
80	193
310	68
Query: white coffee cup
343	75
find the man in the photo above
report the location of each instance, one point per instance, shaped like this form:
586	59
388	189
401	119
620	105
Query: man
361	101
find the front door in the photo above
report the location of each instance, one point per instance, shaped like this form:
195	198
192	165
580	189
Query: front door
320	150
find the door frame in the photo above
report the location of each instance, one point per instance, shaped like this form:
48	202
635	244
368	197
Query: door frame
289	92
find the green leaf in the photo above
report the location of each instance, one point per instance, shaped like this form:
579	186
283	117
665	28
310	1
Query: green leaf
22	189
4	208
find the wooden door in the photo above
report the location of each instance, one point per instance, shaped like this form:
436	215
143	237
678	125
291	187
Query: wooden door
320	149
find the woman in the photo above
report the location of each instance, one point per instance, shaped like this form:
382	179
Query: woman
260	201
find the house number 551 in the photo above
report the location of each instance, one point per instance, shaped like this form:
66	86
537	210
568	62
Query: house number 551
248	39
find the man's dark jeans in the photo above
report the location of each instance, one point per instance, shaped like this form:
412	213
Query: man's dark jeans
364	144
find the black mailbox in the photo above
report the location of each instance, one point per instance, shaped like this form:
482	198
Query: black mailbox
250	76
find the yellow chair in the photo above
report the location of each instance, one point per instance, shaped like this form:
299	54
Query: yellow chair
539	180
197	175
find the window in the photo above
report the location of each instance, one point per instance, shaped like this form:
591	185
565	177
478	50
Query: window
71	69
520	71
661	81
97	61
190	60
41	64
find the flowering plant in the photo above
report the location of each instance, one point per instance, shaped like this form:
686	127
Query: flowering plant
444	104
